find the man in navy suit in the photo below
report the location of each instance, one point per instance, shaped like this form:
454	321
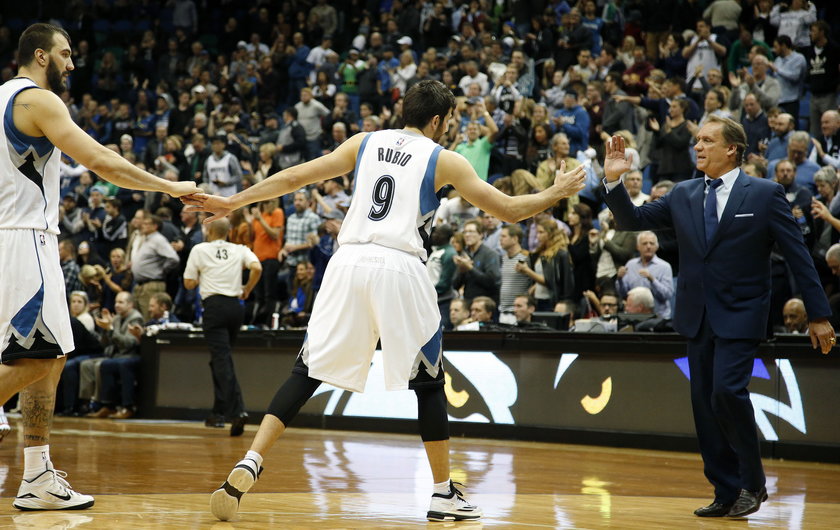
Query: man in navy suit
726	225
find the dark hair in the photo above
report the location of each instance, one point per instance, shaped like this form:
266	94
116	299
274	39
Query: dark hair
514	230
585	214
292	112
615	77
678	81
424	101
163	299
155	219
37	36
610	49
115	203
823	26
785	41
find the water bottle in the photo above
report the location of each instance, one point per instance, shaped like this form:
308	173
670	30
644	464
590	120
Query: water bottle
275	321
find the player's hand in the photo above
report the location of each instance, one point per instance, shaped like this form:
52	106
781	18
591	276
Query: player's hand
219	207
246	292
569	182
822	335
615	161
179	189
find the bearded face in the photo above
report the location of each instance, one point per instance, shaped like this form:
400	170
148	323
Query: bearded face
55	78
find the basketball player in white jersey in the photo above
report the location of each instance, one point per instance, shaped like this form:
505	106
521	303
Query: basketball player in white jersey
34	319
376	286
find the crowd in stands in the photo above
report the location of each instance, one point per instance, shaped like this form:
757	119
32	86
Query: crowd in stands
228	93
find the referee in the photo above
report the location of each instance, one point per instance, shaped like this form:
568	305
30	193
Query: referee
215	266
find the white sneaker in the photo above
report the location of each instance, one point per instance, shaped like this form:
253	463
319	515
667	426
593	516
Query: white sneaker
224	502
49	491
452	507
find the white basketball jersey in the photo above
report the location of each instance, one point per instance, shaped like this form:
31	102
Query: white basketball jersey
29	172
394	196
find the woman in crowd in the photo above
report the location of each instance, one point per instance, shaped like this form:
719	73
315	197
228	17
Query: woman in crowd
266	165
79	309
580	221
673	139
550	266
297	310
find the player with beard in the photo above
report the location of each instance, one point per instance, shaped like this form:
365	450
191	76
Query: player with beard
376	285
35	329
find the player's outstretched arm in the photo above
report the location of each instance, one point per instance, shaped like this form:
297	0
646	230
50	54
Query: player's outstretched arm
42	113
339	162
454	169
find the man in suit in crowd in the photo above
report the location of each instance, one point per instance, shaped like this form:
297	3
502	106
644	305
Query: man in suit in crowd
726	225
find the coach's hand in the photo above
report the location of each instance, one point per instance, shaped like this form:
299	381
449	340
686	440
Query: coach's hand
615	162
822	335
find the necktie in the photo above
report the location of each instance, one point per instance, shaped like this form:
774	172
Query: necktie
710	210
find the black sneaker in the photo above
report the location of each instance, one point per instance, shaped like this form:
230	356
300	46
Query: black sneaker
216	421
237	425
224	502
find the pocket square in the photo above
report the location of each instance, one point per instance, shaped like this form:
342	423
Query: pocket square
744	215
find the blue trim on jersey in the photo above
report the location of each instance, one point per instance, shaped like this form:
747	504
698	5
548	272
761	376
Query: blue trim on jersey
428	198
359	159
20	141
432	349
27	316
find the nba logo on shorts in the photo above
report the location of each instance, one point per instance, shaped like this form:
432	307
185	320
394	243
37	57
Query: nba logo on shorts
43	240
400	141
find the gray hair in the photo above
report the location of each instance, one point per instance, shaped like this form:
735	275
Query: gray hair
833	252
647	233
644	296
826	175
800	137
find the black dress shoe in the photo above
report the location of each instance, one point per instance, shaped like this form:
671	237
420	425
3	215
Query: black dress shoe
215	421
716	509
237	425
748	502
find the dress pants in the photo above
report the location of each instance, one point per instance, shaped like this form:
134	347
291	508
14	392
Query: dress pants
223	316
70	378
118	376
723	413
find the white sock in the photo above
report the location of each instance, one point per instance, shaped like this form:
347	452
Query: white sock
35	460
442	488
256	457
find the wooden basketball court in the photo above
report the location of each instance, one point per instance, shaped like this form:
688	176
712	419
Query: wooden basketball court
160	475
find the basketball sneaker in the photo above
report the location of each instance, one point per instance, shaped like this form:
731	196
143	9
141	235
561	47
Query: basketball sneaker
224	502
50	491
452	507
5	428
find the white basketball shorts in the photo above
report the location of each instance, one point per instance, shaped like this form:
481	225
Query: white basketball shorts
34	317
371	292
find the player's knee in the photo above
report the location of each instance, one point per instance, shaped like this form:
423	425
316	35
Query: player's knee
294	393
431	414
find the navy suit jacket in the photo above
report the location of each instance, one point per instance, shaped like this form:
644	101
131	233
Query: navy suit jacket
729	279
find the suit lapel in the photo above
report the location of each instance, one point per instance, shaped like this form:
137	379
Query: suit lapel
696	199
736	198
